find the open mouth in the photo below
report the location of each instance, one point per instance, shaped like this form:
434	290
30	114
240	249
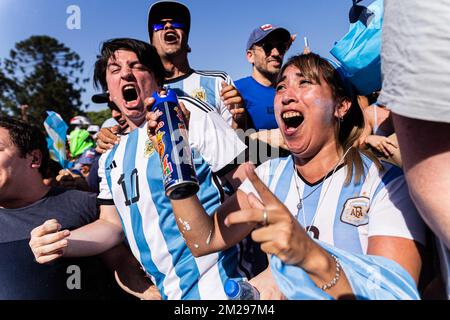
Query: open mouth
129	93
292	119
170	37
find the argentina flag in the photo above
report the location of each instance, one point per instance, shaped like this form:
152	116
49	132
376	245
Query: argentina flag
56	141
371	278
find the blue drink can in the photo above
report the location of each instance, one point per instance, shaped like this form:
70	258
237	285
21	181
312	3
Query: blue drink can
180	180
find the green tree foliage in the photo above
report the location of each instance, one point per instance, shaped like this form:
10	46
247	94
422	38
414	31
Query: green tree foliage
99	117
6	86
46	75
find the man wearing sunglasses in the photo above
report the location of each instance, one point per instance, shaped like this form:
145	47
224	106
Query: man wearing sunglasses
266	47
168	26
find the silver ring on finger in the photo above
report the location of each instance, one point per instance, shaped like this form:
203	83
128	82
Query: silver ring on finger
265	218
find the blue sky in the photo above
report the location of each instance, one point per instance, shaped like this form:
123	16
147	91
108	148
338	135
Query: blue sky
219	29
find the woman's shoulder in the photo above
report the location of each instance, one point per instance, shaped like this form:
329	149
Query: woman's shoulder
379	171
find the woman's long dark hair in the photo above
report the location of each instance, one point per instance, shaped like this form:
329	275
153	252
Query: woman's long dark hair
350	128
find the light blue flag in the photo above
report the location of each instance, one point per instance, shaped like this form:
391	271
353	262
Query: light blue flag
371	278
359	51
56	141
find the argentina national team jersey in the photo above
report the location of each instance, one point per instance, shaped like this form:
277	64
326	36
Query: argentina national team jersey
204	86
132	177
345	216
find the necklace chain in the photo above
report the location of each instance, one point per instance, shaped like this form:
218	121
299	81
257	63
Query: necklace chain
300	205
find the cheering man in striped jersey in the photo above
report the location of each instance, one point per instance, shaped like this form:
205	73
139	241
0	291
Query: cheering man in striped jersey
132	198
168	26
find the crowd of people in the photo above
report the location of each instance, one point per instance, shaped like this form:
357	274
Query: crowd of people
336	210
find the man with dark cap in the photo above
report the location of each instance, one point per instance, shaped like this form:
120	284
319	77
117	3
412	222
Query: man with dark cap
101	98
168	26
266	47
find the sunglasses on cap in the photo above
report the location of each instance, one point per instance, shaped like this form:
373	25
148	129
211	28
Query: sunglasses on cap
174	24
268	47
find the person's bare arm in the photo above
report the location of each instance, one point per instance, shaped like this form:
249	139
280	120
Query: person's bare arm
129	273
271	137
425	150
236	176
266	285
403	251
49	243
204	234
107	138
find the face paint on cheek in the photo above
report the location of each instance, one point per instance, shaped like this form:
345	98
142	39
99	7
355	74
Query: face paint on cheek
318	102
326	106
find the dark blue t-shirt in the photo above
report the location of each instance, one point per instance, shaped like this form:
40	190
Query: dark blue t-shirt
23	278
259	103
93	179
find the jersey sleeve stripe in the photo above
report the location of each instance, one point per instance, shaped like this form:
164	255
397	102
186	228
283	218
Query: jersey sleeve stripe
105	202
196	102
393	173
219	74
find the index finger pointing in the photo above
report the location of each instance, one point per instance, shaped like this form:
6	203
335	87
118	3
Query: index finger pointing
264	193
251	216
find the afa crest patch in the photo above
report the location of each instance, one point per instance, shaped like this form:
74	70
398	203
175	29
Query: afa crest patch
356	211
199	93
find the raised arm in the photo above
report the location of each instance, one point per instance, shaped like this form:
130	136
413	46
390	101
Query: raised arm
206	234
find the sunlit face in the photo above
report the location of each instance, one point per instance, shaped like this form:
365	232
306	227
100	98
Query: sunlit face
11	166
267	64
267	56
129	84
169	41
305	113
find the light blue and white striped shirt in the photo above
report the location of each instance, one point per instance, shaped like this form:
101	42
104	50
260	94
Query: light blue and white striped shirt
132	177
205	86
345	216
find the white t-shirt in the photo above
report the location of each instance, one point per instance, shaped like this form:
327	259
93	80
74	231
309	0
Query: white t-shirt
416	59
